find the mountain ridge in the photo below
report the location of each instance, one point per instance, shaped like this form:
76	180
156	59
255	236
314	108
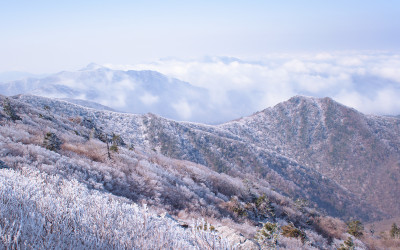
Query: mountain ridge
225	150
326	135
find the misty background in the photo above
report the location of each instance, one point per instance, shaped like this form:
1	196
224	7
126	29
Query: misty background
240	56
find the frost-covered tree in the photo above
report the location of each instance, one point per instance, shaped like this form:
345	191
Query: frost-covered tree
9	110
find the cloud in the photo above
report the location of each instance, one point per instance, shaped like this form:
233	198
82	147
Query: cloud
183	109
385	102
367	81
149	99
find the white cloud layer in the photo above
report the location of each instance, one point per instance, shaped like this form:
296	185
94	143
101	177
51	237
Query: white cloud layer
367	81
149	99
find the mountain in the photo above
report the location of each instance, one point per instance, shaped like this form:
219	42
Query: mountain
127	91
70	172
247	149
88	104
360	152
16	75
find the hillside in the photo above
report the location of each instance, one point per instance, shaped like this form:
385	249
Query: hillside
56	164
226	152
236	175
47	211
360	152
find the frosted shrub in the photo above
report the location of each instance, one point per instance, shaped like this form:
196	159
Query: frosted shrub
319	241
268	235
350	242
47	212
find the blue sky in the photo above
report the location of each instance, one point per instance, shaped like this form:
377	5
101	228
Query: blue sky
48	36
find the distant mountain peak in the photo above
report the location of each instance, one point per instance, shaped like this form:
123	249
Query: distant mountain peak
298	98
93	66
308	100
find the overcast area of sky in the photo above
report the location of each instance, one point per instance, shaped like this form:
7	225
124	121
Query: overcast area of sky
49	36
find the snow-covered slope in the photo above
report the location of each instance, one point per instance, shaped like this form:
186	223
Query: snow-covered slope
57	171
225	150
88	104
360	152
43	211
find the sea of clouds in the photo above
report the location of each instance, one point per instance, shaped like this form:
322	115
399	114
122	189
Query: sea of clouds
367	81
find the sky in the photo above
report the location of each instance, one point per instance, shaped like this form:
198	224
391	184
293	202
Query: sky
49	36
256	52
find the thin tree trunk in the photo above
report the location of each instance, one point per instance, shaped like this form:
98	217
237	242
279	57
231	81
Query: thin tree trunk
108	150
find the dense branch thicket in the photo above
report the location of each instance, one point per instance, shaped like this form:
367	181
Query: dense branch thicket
40	211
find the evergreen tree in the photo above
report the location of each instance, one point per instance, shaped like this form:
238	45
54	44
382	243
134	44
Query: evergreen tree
355	228
115	140
394	231
8	109
51	141
347	245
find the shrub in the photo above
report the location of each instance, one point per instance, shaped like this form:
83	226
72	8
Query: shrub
329	227
117	140
264	206
301	204
114	148
347	245
236	207
268	235
204	226
355	228
260	200
3	165
51	141
291	231
268	230
91	149
394	231
41	211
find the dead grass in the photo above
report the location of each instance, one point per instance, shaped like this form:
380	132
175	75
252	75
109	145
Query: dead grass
382	243
330	227
92	149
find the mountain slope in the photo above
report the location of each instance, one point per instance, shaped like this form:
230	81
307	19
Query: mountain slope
55	143
223	151
360	152
40	210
